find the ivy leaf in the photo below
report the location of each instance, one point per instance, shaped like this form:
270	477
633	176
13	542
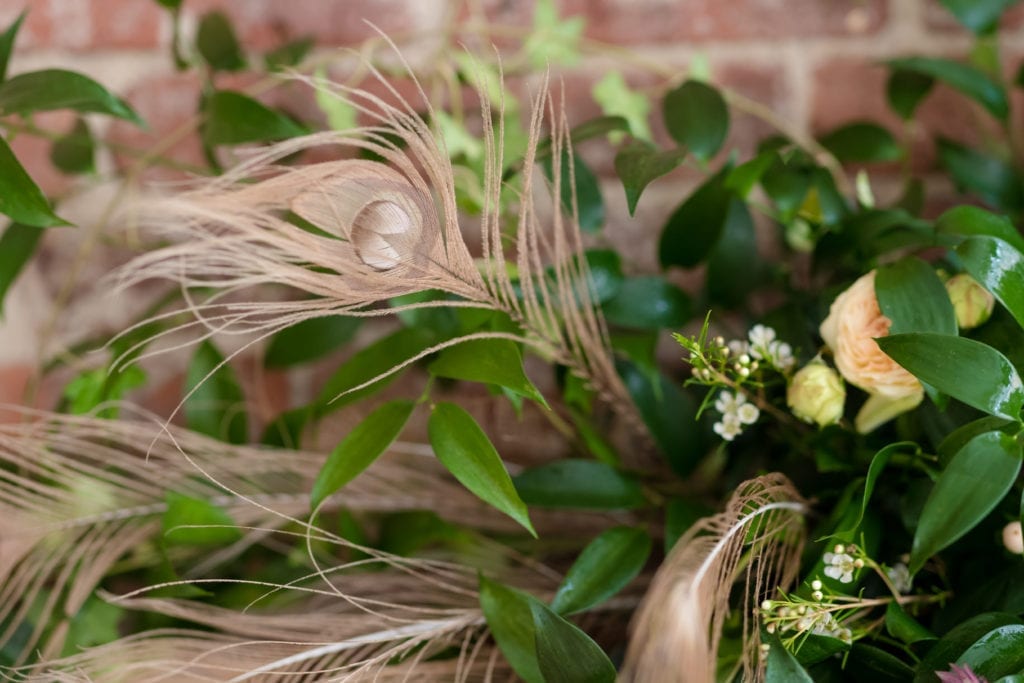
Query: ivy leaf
616	99
464	449
905	90
74	153
289	54
581	484
493	361
310	339
638	163
970	487
694	228
999	267
970	81
20	197
967	370
216	407
193	521
980	16
697	118
605	567
360	448
340	114
17	245
233	118
554	40
862	142
217	43
7	43
52	89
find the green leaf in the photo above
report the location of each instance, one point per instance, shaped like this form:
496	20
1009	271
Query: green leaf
904	627
905	90
340	114
980	16
233	118
510	619
867	663
92	388
693	229
972	484
73	153
20	197
648	302
17	245
605	269
464	449
7	43
493	361
970	81
999	267
733	271
94	623
589	201
605	567
1000	652
565	653
310	339
360	447
289	54
697	118
52	89
617	99
744	177
212	525
967	221
638	162
217	43
967	370
286	429
582	484
913	297
958	438
781	667
862	142
554	39
215	405
875	469
994	180
954	643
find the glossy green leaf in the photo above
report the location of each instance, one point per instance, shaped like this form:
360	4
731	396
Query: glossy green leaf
733	271
492	361
913	297
52	89
217	43
1000	652
565	653
648	302
980	16
994	180
215	405
787	184
958	438
905	90
193	521
605	567
963	77
17	246
999	267
74	153
582	484
360	447
309	340
680	515
510	619
967	370
463	447
285	431
588	199
868	663
744	177
7	43
904	627
639	162
605	269
973	483
696	117
967	221
290	54
953	644
20	197
862	142
875	469
815	648
693	229
233	118
781	667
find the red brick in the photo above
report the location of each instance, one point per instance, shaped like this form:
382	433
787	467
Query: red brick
35	30
126	24
262	24
88	24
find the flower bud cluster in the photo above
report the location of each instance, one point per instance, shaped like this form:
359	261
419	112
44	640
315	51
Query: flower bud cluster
797	616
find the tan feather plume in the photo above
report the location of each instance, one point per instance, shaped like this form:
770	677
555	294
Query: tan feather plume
677	629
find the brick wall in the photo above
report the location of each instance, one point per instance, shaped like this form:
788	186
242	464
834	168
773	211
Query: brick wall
813	62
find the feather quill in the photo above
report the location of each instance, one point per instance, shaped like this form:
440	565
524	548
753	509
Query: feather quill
677	628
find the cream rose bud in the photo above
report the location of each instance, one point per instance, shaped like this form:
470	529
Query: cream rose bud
972	302
1013	540
816	394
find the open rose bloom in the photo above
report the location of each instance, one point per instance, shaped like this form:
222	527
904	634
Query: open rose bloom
853	323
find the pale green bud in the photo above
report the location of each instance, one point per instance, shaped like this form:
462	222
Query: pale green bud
816	394
972	302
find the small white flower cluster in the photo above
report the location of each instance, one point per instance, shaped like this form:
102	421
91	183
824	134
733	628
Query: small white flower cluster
899	575
804	617
840	565
765	347
736	412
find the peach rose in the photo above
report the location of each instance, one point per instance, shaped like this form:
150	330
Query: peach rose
849	330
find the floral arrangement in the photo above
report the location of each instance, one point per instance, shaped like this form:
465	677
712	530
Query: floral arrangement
820	482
